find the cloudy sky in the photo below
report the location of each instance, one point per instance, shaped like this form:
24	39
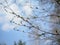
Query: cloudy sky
7	34
23	8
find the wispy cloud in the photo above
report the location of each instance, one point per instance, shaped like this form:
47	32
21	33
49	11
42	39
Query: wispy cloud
7	27
8	17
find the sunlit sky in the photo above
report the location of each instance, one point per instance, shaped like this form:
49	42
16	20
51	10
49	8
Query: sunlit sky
21	7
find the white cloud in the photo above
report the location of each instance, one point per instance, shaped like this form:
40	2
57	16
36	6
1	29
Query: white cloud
15	8
17	20
1	19
5	19
7	27
1	9
48	42
27	9
19	1
9	17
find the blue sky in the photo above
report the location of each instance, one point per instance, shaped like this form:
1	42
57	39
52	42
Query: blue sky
22	7
8	35
11	36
